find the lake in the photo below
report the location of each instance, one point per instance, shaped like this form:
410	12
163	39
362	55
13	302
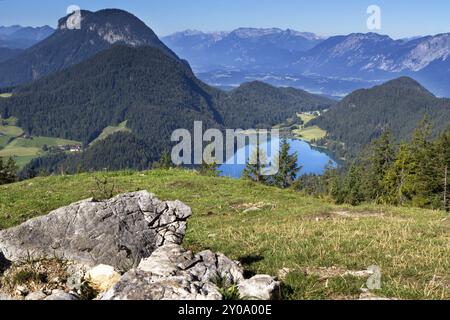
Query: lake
312	160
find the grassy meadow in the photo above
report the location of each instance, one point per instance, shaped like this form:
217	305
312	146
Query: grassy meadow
313	241
24	149
121	127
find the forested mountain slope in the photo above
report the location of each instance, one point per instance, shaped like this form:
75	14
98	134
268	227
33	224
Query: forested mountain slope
66	47
398	105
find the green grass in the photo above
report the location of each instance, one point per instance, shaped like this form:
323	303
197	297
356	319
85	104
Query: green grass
22	156
306	117
5	95
11	121
39	142
310	133
4	140
11	131
411	246
23	150
122	127
10	151
22	161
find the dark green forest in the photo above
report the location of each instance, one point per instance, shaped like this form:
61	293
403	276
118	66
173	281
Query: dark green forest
413	173
154	92
397	106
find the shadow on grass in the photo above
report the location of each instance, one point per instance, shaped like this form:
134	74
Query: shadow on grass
247	261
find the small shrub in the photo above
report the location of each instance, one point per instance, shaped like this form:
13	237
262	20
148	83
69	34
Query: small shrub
229	291
104	189
87	291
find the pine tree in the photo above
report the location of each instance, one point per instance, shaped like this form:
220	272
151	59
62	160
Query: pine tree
395	181
255	166
381	157
351	190
420	178
209	169
287	167
331	180
165	162
8	171
442	168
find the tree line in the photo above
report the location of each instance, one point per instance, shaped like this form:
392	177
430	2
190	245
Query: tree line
8	171
414	173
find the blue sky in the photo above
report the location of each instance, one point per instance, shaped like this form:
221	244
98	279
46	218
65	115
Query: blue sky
400	18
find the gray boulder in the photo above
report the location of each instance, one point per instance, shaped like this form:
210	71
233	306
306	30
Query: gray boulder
4	297
61	296
117	232
260	287
172	273
38	295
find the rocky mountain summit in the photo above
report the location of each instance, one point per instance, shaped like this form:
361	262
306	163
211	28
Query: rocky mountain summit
125	248
68	46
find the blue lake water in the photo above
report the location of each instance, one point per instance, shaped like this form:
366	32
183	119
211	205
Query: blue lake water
312	160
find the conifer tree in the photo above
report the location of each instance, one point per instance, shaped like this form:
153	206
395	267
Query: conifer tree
287	167
254	168
8	171
165	162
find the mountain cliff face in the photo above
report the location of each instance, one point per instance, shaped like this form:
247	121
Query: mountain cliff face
371	54
99	31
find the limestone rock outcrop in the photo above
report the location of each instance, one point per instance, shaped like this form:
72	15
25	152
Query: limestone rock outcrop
117	232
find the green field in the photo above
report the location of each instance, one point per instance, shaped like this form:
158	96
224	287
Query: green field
4	140
122	127
306	117
39	142
11	131
310	133
23	150
314	239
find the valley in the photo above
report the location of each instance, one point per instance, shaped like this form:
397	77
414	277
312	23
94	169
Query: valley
22	148
361	184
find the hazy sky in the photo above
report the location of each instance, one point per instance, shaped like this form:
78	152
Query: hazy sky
400	18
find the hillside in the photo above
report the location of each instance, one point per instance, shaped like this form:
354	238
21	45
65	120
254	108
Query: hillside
258	104
398	105
119	84
144	86
7	53
65	47
281	230
18	37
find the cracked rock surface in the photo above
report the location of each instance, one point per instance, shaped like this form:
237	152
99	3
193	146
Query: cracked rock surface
172	273
118	232
133	234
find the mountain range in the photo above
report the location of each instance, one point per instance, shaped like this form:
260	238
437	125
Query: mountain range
18	37
116	73
133	79
248	48
293	58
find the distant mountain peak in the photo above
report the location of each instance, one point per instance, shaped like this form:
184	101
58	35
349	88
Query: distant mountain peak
113	26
